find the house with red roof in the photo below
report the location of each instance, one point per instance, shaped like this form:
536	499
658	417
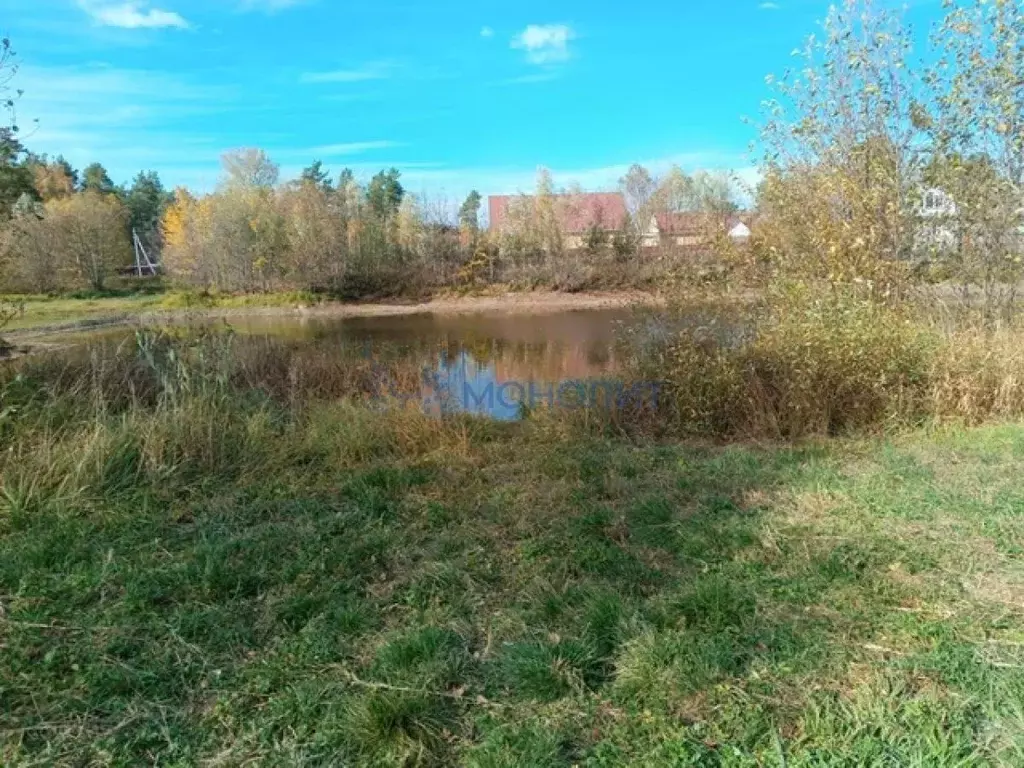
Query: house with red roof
577	214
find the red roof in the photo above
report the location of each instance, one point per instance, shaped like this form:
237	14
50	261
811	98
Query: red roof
576	213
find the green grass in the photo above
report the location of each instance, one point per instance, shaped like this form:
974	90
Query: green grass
40	311
46	311
238	582
89	307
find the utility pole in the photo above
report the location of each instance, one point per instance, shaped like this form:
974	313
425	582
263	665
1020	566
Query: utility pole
142	261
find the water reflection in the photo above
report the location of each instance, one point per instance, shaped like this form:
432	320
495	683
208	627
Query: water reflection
462	384
491	365
486	364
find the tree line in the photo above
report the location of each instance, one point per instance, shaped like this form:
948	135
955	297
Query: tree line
857	141
65	229
315	233
355	239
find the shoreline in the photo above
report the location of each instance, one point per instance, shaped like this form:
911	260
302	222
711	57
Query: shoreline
532	303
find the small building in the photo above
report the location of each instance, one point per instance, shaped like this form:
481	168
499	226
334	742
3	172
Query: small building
937	222
941	229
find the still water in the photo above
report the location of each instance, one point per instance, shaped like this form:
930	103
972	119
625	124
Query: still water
490	364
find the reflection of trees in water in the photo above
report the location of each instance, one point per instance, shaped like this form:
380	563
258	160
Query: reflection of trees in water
556	361
526	360
542	361
599	354
546	348
485	349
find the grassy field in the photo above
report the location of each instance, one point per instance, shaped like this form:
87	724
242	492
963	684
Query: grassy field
234	581
45	311
60	311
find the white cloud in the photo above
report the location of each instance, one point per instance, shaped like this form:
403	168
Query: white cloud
132	15
351	148
769	6
269	6
375	71
536	77
545	43
486	32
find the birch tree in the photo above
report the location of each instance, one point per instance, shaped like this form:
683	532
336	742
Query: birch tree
843	152
977	130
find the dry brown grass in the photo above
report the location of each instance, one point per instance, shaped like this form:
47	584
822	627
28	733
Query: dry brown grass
837	366
978	374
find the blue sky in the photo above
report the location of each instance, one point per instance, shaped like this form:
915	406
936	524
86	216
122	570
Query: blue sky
456	94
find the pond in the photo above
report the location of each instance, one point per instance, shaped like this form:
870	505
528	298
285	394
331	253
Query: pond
489	363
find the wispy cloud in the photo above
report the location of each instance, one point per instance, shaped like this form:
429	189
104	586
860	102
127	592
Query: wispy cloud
769	6
350	148
68	88
545	43
269	6
131	15
456	182
536	77
128	119
486	32
374	71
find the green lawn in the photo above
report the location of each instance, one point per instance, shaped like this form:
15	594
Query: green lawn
61	311
335	586
46	311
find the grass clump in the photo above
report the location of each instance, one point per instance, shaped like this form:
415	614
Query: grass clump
818	367
830	366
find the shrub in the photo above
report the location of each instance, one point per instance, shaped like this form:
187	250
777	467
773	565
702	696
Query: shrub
818	366
835	366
